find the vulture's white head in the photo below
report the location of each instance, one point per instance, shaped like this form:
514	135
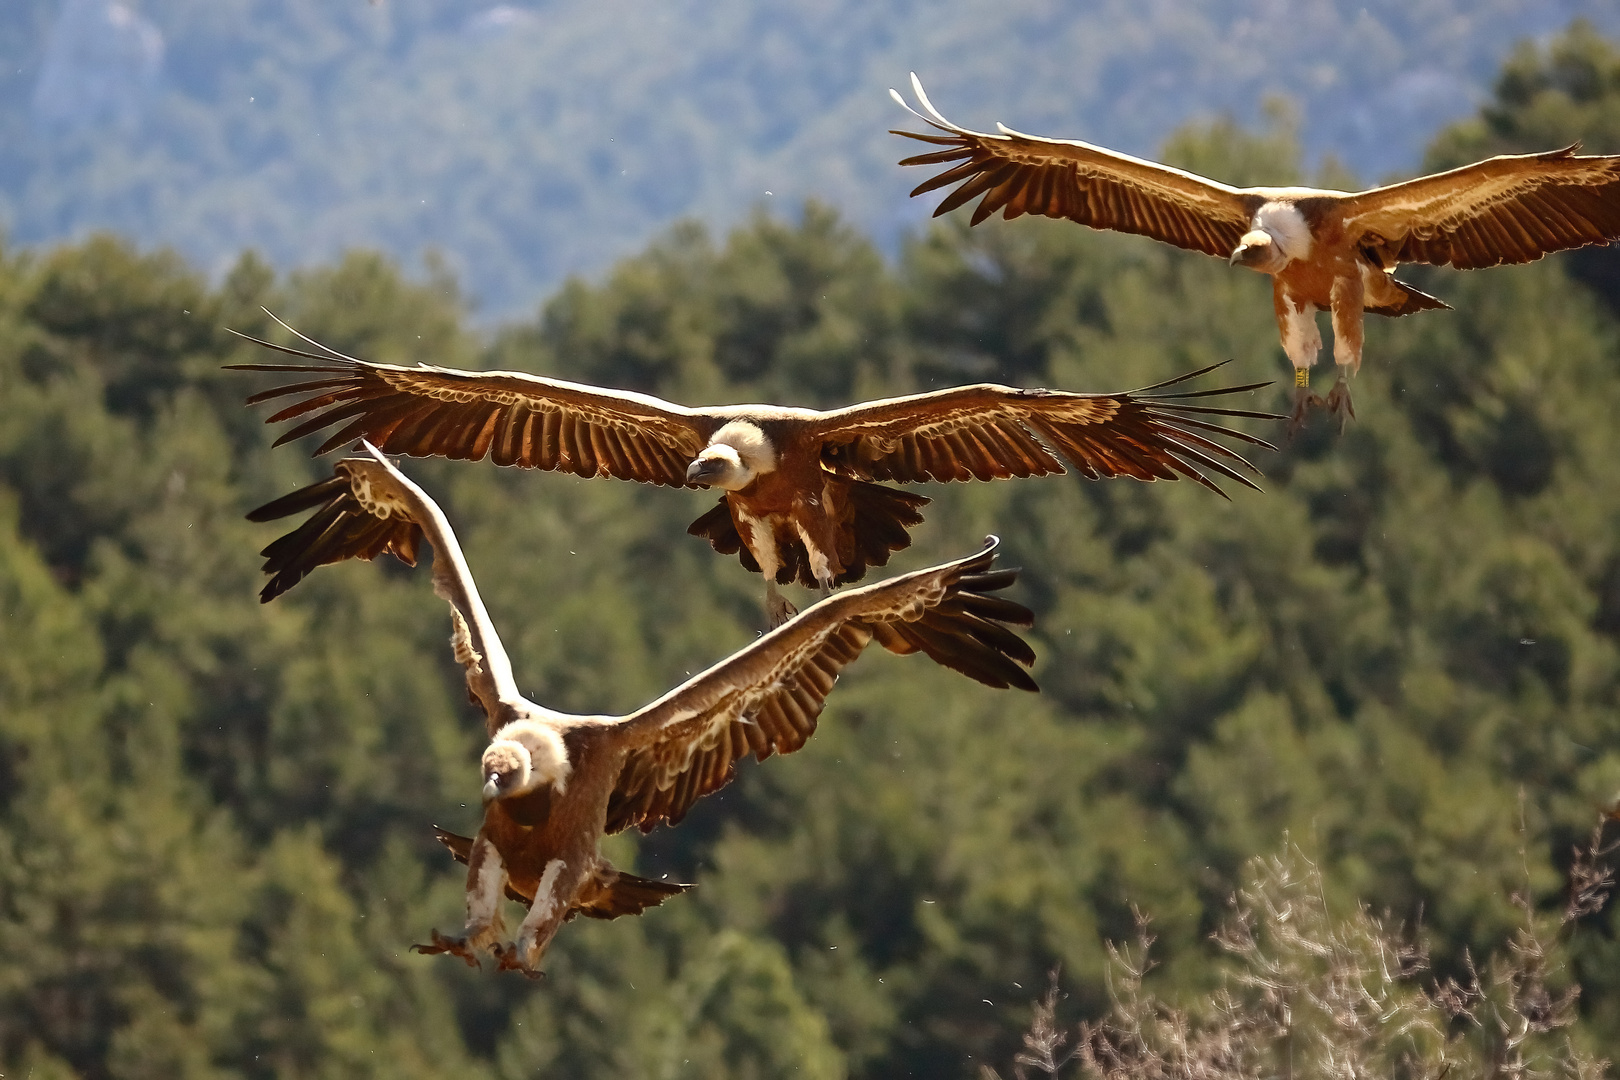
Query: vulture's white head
523	757
1279	234
738	453
1258	251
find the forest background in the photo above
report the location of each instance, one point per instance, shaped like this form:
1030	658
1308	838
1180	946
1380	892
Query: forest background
1402	659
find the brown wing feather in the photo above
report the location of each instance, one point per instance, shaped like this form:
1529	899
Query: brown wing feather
766	699
696	756
339	529
1508	209
989	432
512	417
1026	174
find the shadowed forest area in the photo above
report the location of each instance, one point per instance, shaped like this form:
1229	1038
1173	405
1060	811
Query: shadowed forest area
1402	661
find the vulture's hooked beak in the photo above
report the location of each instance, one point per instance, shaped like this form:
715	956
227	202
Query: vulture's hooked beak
1237	254
703	470
492	789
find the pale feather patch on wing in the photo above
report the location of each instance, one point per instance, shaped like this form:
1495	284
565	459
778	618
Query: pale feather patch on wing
461	644
373	490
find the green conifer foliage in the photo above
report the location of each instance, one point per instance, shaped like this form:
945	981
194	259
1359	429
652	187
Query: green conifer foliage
215	843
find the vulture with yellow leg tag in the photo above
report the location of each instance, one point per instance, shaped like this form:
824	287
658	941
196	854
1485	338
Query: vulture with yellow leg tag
554	784
801	499
1325	250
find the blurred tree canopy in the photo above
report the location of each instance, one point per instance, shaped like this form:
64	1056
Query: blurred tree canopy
215	815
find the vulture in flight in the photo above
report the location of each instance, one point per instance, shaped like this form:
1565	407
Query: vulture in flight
554	784
1325	250
800	500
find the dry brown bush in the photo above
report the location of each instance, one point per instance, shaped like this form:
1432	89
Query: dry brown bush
1313	995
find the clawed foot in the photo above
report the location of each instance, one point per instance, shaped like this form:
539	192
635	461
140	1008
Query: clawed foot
777	609
1304	402
507	959
453	946
1338	403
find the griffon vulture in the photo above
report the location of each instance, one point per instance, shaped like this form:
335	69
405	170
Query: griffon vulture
554	784
1325	250
800	502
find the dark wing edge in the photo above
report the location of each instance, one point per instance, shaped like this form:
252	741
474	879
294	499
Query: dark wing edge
339	529
1003	432
1024	174
964	628
511	417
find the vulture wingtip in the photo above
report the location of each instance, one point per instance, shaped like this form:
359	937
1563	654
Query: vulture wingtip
306	339
934	116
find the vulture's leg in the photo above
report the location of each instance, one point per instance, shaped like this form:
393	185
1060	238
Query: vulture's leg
486	891
1348	297
820	541
777	608
1301	340
559	884
1304	401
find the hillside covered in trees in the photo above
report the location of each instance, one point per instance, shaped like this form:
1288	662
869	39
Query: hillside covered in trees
526	140
1402	659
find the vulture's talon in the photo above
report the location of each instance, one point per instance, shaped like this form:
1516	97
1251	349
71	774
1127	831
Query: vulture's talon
1304	402
1339	404
452	946
510	958
779	609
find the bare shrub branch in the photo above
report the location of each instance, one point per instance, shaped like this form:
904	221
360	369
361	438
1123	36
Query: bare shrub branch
1312	994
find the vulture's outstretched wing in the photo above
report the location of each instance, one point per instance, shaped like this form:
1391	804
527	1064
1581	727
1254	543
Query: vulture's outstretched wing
1026	174
368	507
512	417
1508	209
988	432
765	699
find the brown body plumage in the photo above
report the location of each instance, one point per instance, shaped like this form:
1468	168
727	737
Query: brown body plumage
801	502
1326	250
555	783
